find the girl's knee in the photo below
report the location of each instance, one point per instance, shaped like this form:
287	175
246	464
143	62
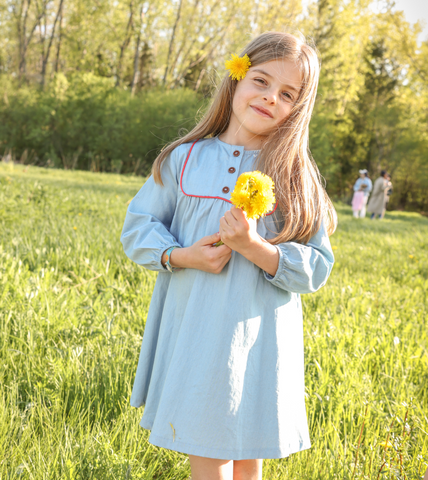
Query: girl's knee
247	469
210	468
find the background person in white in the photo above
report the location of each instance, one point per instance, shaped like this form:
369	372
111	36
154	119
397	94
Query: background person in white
378	196
363	184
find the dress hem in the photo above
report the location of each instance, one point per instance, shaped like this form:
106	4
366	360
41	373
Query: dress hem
221	454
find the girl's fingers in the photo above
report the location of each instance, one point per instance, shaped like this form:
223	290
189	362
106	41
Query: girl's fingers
210	239
223	225
238	214
235	215
228	218
223	250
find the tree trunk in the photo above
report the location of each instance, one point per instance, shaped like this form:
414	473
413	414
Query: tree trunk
24	41
22	31
124	44
136	75
193	15
171	43
46	56
58	48
201	76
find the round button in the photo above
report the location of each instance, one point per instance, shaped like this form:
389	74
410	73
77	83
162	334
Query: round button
232	170
236	153
225	189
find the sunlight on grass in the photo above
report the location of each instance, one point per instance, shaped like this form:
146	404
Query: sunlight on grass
72	315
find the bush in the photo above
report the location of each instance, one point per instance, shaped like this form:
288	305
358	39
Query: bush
84	122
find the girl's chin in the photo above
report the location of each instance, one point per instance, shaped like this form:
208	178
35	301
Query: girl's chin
255	129
255	126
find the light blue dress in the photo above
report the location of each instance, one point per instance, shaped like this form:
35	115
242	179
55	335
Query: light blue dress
221	370
363	181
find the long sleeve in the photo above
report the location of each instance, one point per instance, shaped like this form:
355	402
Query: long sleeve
304	268
363	181
357	185
370	185
379	187
145	234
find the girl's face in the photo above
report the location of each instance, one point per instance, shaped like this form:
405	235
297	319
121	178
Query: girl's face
264	98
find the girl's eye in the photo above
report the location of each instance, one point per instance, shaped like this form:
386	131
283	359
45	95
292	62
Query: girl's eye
287	96
260	80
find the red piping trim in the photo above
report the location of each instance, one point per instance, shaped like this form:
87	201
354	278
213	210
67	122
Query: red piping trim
203	196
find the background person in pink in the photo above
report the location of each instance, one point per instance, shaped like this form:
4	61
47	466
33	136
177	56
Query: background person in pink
362	187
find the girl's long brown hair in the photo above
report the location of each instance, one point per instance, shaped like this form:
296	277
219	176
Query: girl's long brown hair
285	155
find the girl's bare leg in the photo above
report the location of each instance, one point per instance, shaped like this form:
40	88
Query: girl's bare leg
247	469
211	468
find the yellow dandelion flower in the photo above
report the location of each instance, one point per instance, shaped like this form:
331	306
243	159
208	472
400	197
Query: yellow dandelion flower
334	247
238	66
239	198
386	444
411	256
254	194
74	228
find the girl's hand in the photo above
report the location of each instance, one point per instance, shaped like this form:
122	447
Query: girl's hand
202	255
237	231
240	234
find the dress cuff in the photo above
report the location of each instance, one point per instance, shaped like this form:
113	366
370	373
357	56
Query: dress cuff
271	278
163	250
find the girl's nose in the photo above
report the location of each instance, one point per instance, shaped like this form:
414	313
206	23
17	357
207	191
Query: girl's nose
270	98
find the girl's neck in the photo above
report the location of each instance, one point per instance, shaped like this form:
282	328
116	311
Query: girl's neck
234	135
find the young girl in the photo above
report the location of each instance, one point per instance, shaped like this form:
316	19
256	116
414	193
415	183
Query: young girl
221	370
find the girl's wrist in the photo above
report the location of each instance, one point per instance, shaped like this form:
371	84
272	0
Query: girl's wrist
180	258
250	248
263	254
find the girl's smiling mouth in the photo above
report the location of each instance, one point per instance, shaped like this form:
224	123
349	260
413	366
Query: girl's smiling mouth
261	111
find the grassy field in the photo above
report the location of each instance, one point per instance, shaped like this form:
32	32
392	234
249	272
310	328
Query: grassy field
72	315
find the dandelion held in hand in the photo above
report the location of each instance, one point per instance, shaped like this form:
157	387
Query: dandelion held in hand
253	193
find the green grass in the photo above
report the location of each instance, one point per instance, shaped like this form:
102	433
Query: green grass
72	314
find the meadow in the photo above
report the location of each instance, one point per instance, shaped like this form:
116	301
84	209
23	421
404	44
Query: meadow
72	316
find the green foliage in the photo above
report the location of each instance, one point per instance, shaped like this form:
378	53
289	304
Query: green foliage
379	132
372	100
91	57
72	315
86	123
